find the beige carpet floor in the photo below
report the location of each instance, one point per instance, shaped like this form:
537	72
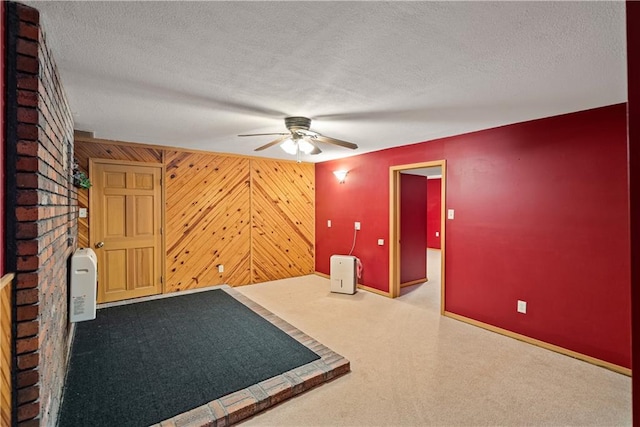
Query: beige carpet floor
412	367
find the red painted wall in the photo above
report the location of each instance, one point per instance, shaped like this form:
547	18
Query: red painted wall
2	138
354	200
633	71
434	212
529	225
413	228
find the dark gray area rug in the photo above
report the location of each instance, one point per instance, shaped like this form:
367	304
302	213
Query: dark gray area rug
141	363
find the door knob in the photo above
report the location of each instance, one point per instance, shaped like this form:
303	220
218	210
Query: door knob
99	245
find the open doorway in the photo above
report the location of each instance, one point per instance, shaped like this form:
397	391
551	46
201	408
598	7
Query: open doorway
434	225
431	243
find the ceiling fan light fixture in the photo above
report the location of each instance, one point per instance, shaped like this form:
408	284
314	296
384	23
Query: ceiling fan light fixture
300	139
305	146
289	147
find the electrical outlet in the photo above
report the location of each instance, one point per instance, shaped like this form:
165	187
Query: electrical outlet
357	224
329	223
82	212
522	307
380	242
437	234
220	268
450	214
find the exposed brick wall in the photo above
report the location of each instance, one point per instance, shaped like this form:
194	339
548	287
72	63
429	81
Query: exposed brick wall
45	219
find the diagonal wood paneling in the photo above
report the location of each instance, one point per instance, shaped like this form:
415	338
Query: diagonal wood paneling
207	220
85	150
254	216
283	215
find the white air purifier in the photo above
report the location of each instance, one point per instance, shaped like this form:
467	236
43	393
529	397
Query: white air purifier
343	274
84	275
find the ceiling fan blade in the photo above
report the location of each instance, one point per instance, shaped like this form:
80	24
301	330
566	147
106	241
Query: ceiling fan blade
263	134
272	143
334	141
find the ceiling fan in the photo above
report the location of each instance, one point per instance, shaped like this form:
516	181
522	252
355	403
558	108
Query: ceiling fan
300	139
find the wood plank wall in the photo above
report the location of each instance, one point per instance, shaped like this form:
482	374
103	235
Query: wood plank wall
207	220
283	201
253	216
5	350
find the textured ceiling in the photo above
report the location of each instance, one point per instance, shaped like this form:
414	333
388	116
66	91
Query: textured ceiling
380	74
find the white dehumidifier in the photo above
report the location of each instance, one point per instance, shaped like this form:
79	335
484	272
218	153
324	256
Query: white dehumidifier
343	274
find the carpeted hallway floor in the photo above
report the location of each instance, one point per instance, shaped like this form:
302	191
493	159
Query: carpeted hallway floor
412	367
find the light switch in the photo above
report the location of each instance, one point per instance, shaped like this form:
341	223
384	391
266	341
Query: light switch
449	213
437	234
380	242
329	223
82	212
522	307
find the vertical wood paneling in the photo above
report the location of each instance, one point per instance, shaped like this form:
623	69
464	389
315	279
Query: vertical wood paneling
283	212
85	150
207	220
5	350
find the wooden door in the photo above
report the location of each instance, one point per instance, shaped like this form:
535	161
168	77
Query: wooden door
125	229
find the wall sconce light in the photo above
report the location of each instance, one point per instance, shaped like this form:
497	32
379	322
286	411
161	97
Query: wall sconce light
341	175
